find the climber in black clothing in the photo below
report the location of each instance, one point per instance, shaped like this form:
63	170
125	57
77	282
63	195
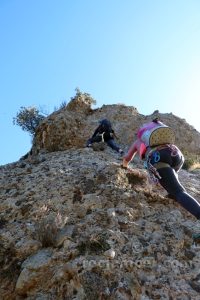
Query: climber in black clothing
104	133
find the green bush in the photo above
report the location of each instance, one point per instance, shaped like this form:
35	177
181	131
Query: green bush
28	118
192	162
82	97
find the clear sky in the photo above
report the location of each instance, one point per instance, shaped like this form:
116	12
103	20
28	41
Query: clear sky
143	53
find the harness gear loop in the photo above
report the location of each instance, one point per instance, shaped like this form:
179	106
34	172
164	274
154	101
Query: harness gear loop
152	171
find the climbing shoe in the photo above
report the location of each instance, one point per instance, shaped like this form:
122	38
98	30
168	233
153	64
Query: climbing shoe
121	152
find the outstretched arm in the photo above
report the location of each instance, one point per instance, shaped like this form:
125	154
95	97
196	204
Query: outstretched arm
114	134
130	155
95	133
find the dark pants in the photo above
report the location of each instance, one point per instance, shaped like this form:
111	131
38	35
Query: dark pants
171	184
111	143
169	178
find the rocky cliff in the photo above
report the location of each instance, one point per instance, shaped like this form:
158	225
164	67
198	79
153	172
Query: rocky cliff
75	225
72	125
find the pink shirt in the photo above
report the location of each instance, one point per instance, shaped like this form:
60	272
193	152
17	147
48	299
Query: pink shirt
146	128
139	146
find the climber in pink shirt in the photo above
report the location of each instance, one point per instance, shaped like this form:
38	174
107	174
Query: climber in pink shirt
162	159
141	143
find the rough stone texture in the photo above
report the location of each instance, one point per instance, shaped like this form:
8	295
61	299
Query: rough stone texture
75	225
74	124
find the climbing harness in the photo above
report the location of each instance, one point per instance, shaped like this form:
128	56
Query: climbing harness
152	171
153	154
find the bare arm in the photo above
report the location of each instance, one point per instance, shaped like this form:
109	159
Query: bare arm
130	155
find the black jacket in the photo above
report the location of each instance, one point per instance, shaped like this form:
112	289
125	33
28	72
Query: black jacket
107	133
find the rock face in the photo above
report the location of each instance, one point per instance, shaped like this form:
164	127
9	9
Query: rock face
74	124
75	225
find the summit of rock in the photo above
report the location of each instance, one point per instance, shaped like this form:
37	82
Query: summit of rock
72	125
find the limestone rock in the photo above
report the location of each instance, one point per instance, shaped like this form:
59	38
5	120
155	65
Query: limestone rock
75	123
110	234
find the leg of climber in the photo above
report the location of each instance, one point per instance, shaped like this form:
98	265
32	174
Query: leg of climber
89	143
111	143
169	181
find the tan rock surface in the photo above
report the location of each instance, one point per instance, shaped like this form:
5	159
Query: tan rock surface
75	225
74	124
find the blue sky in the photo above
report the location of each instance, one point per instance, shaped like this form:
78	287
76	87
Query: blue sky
143	53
